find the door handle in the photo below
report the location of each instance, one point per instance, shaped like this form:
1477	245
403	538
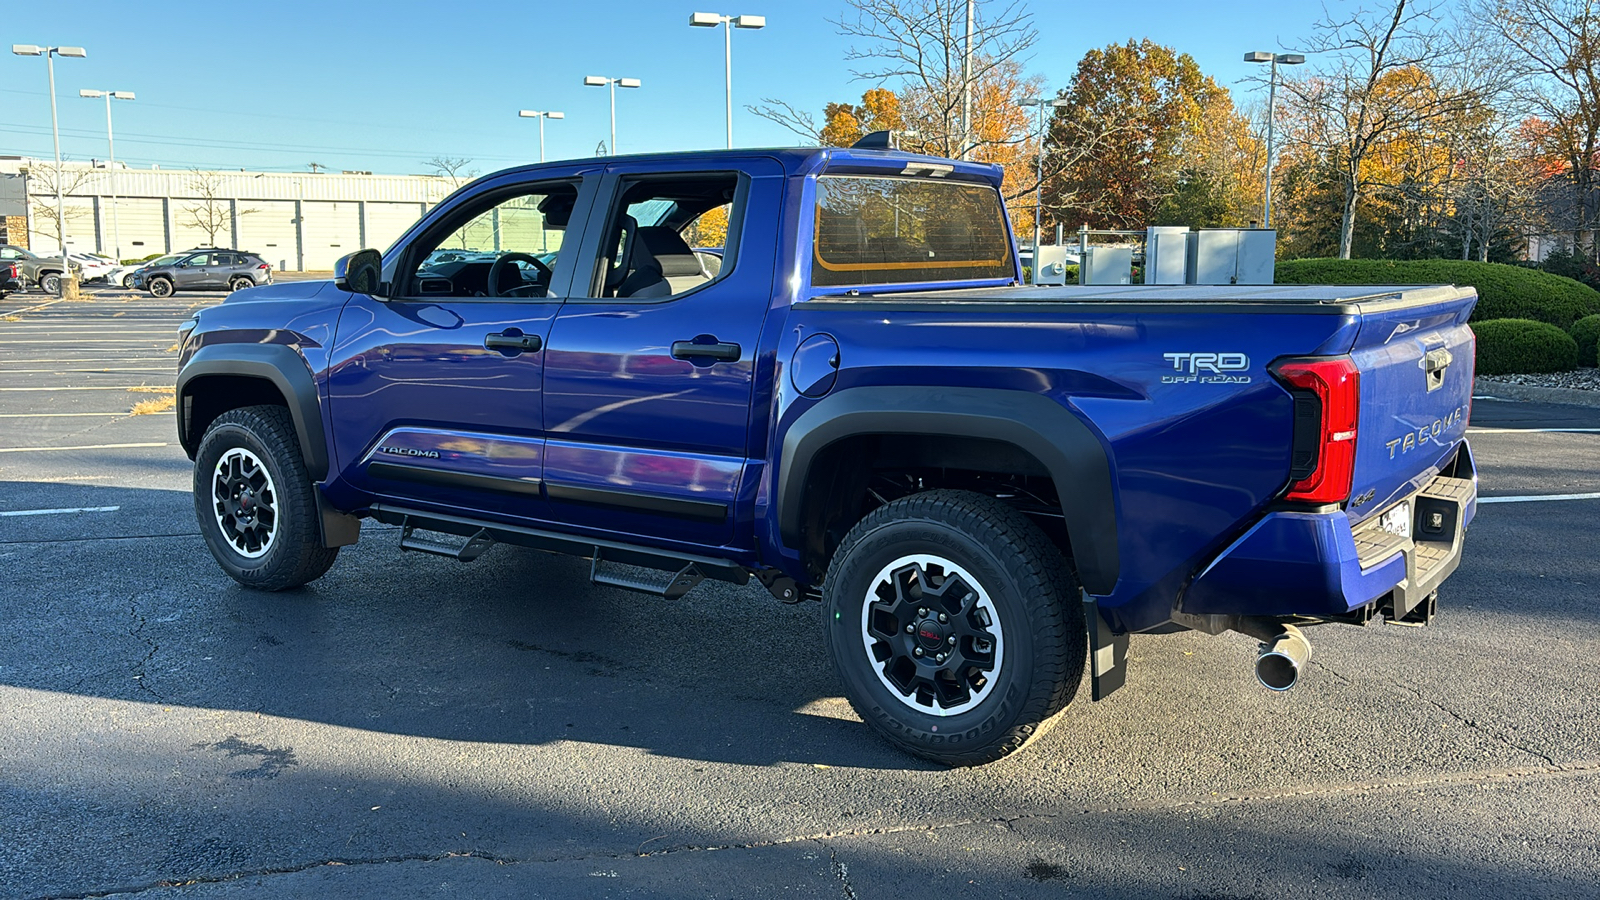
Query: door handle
503	340
720	351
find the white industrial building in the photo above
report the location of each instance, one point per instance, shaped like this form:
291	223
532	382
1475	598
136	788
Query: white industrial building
296	221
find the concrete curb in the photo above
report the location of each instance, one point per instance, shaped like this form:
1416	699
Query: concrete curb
1567	396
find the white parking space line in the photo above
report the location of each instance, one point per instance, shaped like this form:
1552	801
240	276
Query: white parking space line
106	371
167	359
60	512
78	447
30	308
53	389
60	415
1535	498
1533	431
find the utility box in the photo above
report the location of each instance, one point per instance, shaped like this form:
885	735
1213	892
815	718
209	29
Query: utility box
1166	254
1050	265
1107	265
1232	256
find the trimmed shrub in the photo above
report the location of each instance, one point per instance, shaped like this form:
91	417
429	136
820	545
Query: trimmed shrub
1586	331
1504	292
1521	346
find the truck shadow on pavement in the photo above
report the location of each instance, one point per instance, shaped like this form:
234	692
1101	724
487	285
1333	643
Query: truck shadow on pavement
517	647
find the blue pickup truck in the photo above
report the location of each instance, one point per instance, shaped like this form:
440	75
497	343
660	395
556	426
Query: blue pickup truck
987	485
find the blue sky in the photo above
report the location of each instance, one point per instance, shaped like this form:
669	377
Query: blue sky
385	86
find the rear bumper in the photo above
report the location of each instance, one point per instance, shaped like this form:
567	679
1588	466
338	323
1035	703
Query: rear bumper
1315	564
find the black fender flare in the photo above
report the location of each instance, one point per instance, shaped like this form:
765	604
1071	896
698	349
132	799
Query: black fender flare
285	369
1068	448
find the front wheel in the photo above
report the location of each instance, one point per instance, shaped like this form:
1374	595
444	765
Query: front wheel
955	626
127	282
254	501
160	287
50	284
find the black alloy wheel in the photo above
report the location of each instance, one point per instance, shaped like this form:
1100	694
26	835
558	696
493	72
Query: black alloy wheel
255	501
955	626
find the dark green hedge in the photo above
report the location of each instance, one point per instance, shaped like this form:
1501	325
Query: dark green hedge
1521	346
1504	292
1586	331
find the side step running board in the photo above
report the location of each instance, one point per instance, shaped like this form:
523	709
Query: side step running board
672	588
465	551
678	572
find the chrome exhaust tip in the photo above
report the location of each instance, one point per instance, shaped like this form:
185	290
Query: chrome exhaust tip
1280	660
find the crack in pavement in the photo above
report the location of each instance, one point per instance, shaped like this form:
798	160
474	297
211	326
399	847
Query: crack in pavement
841	870
1471	724
139	667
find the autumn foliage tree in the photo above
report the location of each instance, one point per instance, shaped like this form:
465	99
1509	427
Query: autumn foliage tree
1383	75
1144	138
914	50
1554	52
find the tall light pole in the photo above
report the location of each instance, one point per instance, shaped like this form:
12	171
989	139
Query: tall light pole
1287	59
541	115
598	81
50	54
1042	103
111	162
729	23
966	92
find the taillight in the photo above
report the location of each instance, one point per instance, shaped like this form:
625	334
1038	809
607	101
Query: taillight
263	266
1327	407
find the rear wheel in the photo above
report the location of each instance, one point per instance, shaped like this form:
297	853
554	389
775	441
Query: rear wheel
160	287
240	283
955	626
254	501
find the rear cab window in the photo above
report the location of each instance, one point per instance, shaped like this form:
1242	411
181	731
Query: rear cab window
908	232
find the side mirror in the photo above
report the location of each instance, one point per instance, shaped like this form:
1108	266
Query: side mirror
359	272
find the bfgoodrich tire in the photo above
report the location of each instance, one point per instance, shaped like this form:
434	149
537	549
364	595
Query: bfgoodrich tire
254	501
955	626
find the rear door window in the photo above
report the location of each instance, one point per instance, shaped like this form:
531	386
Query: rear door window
907	231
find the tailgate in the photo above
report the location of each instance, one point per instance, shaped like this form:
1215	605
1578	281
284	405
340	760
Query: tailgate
1415	355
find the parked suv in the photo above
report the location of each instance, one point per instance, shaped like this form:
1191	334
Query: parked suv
206	269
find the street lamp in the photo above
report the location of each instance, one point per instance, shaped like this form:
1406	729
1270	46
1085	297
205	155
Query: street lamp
50	54
712	20
111	164
1287	59
614	83
1038	189
541	115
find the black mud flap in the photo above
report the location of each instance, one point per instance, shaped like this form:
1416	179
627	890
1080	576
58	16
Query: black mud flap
1108	653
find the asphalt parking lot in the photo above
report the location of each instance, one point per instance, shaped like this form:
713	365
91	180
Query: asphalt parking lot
409	726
